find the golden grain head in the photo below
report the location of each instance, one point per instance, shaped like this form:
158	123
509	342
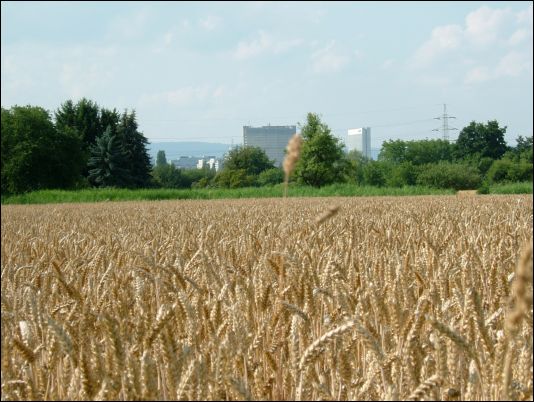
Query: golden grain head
292	155
412	298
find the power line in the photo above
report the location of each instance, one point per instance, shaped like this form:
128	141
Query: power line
445	117
334	130
406	123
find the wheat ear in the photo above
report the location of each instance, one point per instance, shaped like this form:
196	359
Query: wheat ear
292	156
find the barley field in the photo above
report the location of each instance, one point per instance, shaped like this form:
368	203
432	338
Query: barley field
381	298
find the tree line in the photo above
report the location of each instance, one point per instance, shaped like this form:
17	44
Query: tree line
83	145
478	159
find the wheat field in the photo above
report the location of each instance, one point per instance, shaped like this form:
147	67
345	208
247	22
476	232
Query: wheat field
408	298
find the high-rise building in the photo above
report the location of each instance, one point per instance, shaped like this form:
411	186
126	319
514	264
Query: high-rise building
272	139
360	139
185	162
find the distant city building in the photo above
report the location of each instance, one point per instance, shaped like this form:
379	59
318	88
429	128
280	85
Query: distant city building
211	161
185	162
272	139
360	139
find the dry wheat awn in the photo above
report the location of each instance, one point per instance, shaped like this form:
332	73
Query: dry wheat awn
383	298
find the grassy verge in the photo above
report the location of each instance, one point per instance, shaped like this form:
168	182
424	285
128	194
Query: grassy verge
512	188
98	195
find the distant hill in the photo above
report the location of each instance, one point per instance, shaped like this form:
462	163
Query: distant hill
173	150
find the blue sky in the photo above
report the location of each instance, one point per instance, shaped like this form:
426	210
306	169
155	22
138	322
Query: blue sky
202	70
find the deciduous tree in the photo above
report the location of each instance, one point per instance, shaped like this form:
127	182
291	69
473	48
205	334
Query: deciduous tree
322	159
36	154
481	140
252	160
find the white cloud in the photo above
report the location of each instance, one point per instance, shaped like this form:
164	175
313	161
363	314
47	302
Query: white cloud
443	38
247	49
514	64
519	36
264	43
210	23
488	46
328	59
484	26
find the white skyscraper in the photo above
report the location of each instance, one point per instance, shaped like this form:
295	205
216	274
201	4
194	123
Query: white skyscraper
360	139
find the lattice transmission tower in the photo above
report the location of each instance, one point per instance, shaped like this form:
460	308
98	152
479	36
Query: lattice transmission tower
445	128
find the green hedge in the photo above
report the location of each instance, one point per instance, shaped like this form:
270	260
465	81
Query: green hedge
449	175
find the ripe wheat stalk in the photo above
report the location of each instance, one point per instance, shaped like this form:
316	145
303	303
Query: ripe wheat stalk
406	298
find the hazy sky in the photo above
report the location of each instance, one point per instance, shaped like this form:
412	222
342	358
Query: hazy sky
202	70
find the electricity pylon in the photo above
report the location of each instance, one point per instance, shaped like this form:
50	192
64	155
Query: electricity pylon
445	117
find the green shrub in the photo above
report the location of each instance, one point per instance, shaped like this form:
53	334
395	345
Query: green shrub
403	174
373	174
484	188
234	179
167	176
506	171
511	188
190	176
271	177
202	183
450	175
